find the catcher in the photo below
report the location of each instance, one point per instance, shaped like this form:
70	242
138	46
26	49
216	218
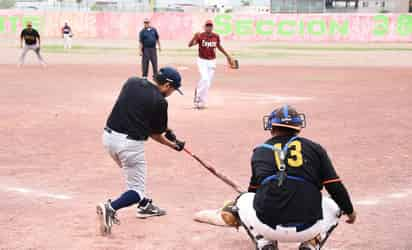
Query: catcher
284	201
208	41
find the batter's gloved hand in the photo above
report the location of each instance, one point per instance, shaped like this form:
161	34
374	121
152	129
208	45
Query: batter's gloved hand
170	135
180	145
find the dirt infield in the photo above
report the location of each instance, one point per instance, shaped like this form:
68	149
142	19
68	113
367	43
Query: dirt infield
53	169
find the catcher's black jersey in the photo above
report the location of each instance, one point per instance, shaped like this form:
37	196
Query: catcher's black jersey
298	200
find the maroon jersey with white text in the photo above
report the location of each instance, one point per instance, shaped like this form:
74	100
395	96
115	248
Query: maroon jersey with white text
208	43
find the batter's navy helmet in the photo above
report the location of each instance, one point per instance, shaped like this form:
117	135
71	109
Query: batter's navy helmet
285	116
170	75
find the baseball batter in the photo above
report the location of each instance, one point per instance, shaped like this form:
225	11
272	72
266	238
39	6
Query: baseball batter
284	201
31	39
207	41
140	112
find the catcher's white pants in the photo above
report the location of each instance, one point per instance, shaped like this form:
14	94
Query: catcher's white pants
67	41
129	155
207	70
286	234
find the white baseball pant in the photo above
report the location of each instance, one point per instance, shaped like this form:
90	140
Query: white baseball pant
67	41
129	155
248	216
207	70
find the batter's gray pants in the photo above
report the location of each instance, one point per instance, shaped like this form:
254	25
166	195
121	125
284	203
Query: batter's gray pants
129	155
35	49
149	54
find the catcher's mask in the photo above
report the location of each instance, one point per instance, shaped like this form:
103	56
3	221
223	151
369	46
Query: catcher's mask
285	116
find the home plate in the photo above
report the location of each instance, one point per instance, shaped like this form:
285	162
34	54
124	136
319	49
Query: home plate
211	216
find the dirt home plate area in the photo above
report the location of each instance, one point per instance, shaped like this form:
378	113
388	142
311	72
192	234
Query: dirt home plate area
53	168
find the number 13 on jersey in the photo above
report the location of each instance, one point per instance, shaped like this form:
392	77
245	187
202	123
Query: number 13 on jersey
295	158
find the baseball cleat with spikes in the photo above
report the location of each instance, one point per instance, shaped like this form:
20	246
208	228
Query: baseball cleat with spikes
106	217
149	210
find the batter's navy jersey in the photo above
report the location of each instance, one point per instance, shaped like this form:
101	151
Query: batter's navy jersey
140	110
298	200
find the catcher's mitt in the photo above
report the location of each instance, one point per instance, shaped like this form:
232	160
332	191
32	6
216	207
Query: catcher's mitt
233	63
230	214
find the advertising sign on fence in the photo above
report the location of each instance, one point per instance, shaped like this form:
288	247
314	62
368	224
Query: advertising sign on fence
180	26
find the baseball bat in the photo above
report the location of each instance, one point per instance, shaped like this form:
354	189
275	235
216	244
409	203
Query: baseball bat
214	172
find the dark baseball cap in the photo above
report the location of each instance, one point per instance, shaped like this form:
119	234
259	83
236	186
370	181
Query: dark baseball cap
172	76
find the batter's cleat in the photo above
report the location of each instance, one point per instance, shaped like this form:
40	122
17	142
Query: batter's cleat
149	210
106	217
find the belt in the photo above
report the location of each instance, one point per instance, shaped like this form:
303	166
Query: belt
299	226
290	177
136	138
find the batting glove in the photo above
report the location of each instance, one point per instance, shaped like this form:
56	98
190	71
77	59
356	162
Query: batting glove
170	135
180	145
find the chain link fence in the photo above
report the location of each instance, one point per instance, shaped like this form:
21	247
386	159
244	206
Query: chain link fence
297	6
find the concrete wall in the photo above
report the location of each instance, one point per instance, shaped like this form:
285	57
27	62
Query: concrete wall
246	27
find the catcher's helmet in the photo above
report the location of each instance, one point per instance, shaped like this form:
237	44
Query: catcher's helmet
285	116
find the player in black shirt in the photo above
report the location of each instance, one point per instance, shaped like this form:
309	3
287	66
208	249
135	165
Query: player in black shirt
140	112
31	39
284	202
